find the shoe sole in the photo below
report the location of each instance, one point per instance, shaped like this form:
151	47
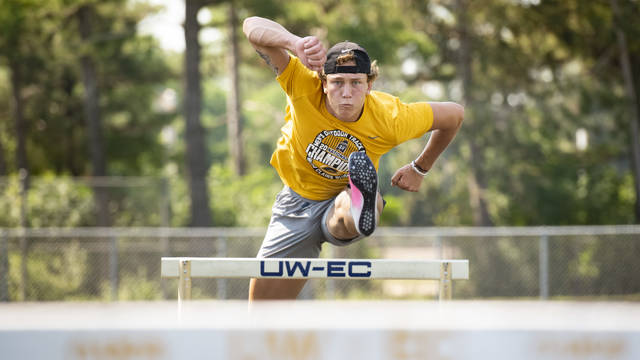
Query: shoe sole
364	179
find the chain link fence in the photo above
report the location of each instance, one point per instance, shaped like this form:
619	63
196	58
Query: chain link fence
113	264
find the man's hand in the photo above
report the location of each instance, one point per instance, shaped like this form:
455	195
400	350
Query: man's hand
311	52
407	179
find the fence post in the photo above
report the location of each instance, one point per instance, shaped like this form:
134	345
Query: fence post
165	207
165	213
24	241
4	266
544	266
113	268
221	284
164	244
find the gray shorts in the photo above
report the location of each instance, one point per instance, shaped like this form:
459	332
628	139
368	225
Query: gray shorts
298	227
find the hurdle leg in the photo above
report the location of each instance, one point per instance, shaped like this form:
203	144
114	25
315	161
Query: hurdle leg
184	280
445	281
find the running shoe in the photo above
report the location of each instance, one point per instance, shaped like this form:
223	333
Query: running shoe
363	180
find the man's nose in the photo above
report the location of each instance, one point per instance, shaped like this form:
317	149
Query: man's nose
346	90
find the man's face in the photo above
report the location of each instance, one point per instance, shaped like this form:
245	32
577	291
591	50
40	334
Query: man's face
346	94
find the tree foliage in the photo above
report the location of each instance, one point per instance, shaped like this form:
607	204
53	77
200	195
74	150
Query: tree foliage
540	71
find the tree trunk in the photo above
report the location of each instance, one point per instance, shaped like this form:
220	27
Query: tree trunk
99	272
20	124
476	182
92	117
3	161
71	147
632	101
197	158
234	115
22	169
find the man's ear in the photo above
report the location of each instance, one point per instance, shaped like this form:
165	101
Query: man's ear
369	86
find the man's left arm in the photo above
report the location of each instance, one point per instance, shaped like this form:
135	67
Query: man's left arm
447	119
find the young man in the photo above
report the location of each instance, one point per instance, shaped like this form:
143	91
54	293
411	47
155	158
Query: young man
336	129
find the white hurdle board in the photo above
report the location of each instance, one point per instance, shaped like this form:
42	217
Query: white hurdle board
321	330
185	268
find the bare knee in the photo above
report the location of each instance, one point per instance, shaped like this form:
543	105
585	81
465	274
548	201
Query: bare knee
340	222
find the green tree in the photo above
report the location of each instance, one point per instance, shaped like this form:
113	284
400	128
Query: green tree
198	160
19	49
631	95
130	72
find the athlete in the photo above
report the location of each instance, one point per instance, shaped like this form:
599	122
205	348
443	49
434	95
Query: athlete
336	129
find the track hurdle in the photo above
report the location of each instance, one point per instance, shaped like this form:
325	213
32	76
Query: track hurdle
186	268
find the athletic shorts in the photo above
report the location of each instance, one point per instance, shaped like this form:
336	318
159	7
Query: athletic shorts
298	227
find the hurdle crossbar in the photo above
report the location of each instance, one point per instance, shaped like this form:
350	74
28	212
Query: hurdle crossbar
186	268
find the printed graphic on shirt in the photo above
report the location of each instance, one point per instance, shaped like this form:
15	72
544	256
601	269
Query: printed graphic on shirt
329	152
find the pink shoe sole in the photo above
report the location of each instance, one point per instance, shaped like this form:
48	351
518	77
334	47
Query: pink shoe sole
364	188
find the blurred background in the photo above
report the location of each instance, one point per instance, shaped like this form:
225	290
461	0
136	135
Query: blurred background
132	129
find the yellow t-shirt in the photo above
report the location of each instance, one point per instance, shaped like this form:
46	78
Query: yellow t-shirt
312	153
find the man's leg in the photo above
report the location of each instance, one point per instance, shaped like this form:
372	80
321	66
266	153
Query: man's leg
293	232
275	289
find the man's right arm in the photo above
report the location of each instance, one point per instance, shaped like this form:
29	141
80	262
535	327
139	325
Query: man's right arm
447	119
272	41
